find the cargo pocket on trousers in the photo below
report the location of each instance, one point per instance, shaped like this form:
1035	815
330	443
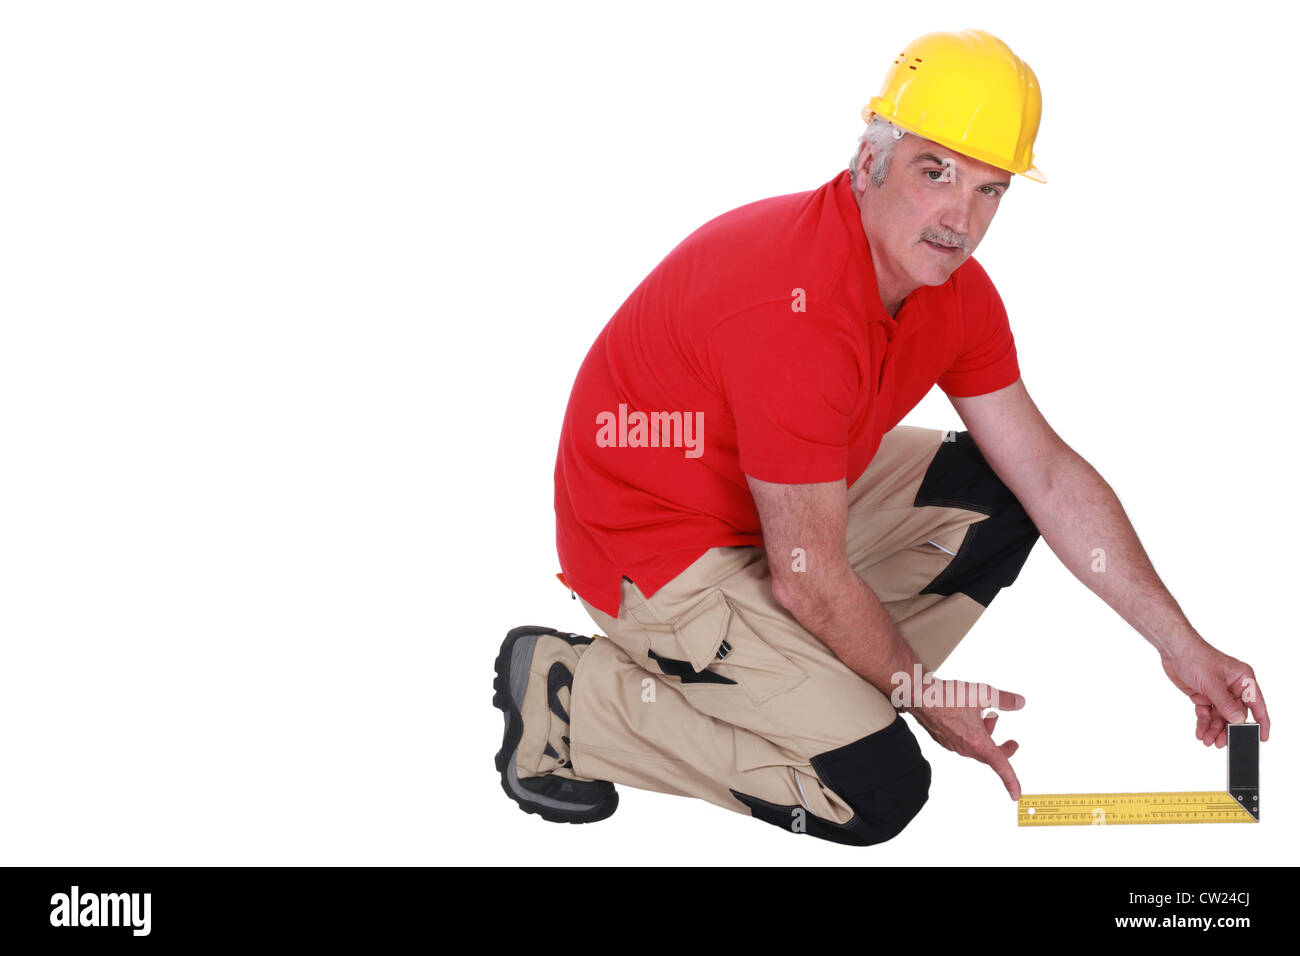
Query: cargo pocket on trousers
716	639
686	648
763	670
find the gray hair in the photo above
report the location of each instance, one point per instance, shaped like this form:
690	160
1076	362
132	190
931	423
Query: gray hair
882	136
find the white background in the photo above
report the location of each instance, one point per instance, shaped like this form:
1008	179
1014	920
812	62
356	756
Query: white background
292	299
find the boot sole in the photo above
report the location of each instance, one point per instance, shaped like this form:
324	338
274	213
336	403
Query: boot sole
581	802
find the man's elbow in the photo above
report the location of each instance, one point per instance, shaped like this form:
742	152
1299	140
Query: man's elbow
802	595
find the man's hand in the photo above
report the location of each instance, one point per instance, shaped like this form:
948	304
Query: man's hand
1221	687
965	731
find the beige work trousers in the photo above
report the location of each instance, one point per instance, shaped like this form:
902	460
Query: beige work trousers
711	688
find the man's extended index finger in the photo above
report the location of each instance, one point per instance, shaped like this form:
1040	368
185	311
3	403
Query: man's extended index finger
1259	712
999	762
1008	701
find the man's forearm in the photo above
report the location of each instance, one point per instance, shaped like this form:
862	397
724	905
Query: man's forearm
845	615
1083	522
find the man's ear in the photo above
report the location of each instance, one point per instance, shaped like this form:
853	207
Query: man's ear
861	167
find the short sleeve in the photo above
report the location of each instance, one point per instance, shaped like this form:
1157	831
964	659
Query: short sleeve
986	360
792	381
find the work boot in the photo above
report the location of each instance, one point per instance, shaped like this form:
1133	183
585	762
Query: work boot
534	685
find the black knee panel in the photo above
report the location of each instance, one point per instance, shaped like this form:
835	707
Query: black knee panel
883	777
995	549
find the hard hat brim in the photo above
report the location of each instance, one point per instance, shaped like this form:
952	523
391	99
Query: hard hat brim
1033	172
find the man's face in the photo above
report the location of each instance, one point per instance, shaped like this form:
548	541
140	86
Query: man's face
930	214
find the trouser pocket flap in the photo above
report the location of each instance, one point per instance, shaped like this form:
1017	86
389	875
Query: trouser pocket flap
701	632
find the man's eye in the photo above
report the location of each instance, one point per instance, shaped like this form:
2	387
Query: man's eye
993	191
937	172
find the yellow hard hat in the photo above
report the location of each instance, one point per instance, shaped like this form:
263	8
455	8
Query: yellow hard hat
966	90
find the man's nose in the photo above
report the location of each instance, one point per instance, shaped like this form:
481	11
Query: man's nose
956	215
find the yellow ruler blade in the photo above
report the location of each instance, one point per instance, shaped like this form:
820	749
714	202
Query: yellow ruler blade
1110	809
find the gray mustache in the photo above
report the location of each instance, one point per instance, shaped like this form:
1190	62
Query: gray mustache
945	239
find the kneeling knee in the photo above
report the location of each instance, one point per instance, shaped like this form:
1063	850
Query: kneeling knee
883	777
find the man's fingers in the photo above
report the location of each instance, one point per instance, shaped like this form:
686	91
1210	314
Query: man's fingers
1261	718
1202	720
1206	733
998	761
1005	700
990	722
1259	712
1216	728
1227	705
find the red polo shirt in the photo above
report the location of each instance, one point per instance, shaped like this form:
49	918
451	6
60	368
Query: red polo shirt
758	346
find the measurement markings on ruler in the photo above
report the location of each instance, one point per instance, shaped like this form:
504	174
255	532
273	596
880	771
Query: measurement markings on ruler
1238	804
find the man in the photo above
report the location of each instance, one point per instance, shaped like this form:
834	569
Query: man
776	566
